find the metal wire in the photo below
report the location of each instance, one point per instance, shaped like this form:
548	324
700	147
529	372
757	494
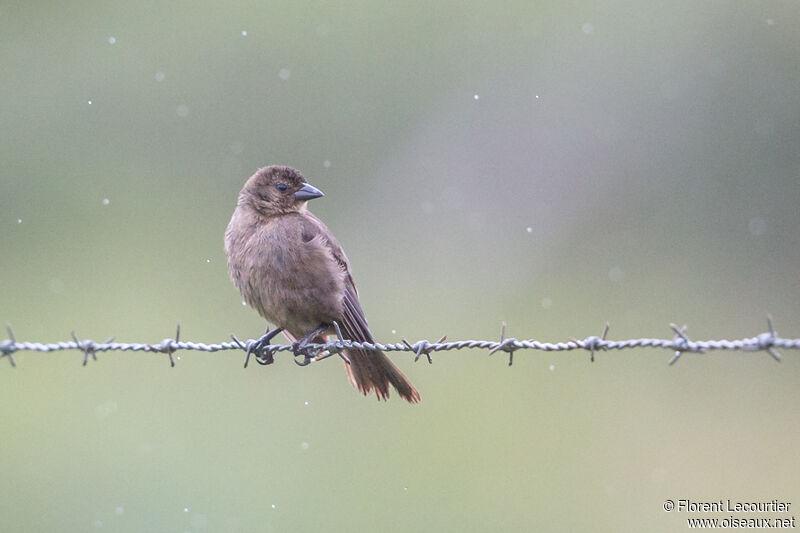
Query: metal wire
768	342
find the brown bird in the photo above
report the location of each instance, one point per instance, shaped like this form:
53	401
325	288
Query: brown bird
290	268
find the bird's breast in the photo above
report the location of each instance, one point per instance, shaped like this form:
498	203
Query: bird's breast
292	282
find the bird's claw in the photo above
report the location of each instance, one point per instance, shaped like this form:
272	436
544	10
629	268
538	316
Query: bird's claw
263	357
307	359
258	348
300	349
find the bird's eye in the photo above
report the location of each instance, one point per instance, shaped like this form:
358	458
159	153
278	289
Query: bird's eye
281	187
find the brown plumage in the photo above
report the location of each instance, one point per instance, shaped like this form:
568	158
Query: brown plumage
290	268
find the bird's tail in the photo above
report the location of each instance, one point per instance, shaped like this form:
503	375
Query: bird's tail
371	370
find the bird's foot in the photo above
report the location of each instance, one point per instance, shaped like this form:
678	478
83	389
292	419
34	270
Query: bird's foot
300	348
259	347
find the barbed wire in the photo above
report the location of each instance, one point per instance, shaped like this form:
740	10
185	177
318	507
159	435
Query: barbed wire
680	343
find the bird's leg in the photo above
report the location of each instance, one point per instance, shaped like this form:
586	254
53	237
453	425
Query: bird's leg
258	346
301	346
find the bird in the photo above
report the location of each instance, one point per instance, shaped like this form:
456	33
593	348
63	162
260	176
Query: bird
290	268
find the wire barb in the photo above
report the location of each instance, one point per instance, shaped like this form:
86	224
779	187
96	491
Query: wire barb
423	348
679	335
336	348
88	347
8	347
682	343
243	347
168	346
768	340
507	345
593	343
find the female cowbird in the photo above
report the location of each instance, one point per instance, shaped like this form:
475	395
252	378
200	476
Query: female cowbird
290	268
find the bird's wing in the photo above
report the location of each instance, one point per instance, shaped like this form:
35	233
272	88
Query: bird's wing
353	322
369	370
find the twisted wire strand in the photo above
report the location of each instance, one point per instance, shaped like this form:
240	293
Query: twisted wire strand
767	342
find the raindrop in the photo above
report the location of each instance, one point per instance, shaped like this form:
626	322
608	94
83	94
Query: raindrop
547	303
273	506
756	226
160	76
476	97
304	445
106	201
587	28
89	102
552	367
394	332
529	229
615	274
98	523
119	511
56	286
208	260
19	221
764	128
284	73
326	164
182	111
244	33
112	40
105	410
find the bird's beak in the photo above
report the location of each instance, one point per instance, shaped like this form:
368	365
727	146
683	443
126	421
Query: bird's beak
308	192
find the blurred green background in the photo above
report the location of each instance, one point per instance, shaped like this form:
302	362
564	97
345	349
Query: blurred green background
549	164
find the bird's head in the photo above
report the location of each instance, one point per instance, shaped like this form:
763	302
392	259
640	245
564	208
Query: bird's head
276	190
